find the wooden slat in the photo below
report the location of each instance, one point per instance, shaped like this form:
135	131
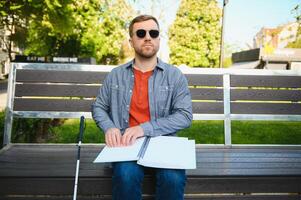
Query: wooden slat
85	105
266	108
50	169
96	186
47	90
186	197
66	105
207	107
41	76
206	94
265	81
144	197
56	90
204	80
55	161
266	95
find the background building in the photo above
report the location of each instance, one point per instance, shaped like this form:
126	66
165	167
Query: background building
277	37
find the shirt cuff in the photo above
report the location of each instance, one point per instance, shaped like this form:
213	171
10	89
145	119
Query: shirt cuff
147	128
107	126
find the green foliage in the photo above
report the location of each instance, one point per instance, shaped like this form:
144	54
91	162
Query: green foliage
34	130
227	62
266	132
69	132
13	21
82	28
195	34
51	30
204	132
295	44
85	28
105	30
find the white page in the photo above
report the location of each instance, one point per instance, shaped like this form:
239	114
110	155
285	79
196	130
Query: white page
115	154
170	152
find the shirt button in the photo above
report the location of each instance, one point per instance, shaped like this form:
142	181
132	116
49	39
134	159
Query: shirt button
126	121
130	91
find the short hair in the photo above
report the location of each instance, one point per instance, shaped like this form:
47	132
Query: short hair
141	18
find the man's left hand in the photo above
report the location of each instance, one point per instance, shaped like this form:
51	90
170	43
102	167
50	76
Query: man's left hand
131	134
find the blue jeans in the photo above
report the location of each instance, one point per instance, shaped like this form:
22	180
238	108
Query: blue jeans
128	178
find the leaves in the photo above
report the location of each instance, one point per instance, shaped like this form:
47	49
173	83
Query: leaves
82	28
195	34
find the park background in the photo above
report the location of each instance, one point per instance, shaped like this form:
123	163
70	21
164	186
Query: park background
190	35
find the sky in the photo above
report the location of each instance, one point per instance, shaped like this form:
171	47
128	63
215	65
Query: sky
243	18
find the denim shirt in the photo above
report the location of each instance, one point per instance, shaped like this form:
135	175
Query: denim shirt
169	100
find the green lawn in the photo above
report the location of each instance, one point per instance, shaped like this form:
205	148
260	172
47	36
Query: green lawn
204	132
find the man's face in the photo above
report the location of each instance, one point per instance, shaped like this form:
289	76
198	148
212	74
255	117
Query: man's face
147	46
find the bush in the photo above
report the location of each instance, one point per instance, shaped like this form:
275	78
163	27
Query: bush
34	130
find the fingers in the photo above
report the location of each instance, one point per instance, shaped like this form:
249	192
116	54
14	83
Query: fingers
113	137
131	134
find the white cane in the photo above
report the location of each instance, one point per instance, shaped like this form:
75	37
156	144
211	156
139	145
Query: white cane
81	132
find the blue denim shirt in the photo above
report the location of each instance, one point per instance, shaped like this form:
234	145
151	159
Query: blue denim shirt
169	100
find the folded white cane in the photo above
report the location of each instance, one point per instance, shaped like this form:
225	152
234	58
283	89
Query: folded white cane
81	132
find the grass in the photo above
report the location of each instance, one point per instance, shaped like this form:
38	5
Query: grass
204	132
68	132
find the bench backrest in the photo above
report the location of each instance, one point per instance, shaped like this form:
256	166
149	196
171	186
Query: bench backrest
39	90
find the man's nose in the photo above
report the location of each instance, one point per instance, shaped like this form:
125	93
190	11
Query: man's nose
147	36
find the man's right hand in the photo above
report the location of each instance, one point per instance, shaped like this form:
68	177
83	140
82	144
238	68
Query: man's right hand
113	137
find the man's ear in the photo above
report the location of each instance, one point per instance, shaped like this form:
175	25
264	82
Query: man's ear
131	42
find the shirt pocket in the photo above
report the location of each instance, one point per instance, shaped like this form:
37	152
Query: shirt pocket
117	93
164	99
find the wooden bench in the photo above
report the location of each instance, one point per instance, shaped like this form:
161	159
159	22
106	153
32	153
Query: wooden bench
224	171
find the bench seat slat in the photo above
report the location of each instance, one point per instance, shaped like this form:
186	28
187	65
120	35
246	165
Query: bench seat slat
233	177
186	197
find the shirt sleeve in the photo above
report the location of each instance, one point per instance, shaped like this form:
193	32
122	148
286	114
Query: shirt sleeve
101	107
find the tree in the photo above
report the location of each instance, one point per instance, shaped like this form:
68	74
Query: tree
297	43
105	30
194	38
13	22
82	28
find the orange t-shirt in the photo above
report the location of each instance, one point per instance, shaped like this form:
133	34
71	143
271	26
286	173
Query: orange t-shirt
139	108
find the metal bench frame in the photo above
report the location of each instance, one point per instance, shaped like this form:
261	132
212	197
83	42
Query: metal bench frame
227	116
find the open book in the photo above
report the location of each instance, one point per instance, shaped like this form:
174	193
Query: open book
159	152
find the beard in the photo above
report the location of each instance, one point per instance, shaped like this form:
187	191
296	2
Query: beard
146	52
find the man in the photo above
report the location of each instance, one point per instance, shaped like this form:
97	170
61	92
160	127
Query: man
144	97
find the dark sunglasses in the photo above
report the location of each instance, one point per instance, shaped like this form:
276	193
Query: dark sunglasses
141	33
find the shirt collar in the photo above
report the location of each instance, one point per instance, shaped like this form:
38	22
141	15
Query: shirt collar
160	64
